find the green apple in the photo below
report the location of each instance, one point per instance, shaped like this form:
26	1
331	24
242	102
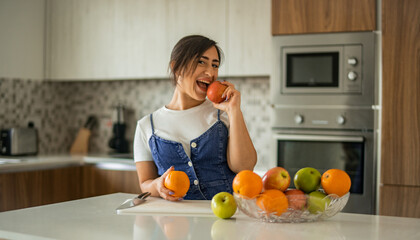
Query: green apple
317	202
223	205
307	179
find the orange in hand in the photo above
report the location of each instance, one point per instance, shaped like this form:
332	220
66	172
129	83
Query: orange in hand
336	181
178	182
273	201
247	183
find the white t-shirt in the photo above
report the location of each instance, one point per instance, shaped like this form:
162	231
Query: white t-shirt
179	126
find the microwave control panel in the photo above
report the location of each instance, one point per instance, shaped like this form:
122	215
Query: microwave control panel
352	66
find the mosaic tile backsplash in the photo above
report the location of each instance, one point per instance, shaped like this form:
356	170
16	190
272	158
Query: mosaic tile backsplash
60	109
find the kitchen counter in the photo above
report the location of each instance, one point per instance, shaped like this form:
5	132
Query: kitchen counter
96	218
122	162
26	163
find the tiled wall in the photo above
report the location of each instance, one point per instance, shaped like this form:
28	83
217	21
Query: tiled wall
59	109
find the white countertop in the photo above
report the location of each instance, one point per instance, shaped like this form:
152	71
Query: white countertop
122	162
96	218
24	163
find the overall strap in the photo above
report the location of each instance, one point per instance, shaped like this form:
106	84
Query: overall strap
218	114
151	123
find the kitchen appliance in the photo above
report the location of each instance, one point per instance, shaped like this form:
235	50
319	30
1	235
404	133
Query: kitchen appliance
118	141
323	69
323	112
341	138
351	151
19	141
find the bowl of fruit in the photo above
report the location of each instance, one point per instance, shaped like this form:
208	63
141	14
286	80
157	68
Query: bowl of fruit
269	199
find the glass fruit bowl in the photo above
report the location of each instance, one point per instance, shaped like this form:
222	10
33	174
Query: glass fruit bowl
333	205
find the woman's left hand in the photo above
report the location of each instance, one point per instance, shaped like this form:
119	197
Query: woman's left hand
233	99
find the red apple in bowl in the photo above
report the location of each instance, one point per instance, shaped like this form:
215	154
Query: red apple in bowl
215	92
296	198
276	178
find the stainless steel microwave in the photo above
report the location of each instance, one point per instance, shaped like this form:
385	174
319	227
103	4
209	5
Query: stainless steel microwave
337	68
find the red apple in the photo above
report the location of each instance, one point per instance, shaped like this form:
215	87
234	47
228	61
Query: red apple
276	178
215	92
296	198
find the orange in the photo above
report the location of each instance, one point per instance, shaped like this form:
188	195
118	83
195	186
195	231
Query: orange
335	181
273	201
178	182
247	183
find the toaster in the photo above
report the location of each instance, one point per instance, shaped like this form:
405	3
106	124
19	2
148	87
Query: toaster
18	141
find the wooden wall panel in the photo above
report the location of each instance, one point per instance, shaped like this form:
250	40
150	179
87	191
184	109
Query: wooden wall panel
401	93
400	201
309	16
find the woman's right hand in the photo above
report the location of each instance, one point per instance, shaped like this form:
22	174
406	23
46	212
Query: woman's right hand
162	190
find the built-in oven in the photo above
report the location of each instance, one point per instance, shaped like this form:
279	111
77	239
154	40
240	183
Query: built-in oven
329	137
323	150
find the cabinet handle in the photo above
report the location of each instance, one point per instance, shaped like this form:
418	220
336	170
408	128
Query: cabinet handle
322	138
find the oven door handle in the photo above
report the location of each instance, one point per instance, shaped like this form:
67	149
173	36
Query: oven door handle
293	137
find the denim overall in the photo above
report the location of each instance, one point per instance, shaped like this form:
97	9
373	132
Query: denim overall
207	169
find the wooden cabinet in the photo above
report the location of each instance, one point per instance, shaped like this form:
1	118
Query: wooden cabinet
320	16
34	188
40	187
22	39
98	181
400	152
402	201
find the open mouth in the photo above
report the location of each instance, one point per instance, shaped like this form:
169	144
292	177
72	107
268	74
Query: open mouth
203	84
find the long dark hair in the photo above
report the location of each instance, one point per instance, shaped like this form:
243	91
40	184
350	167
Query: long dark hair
187	52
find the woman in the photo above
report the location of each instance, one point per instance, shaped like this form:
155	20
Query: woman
208	141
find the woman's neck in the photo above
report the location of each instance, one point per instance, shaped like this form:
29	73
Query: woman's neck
181	101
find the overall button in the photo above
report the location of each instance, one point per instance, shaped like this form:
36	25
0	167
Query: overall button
196	182
193	144
190	163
